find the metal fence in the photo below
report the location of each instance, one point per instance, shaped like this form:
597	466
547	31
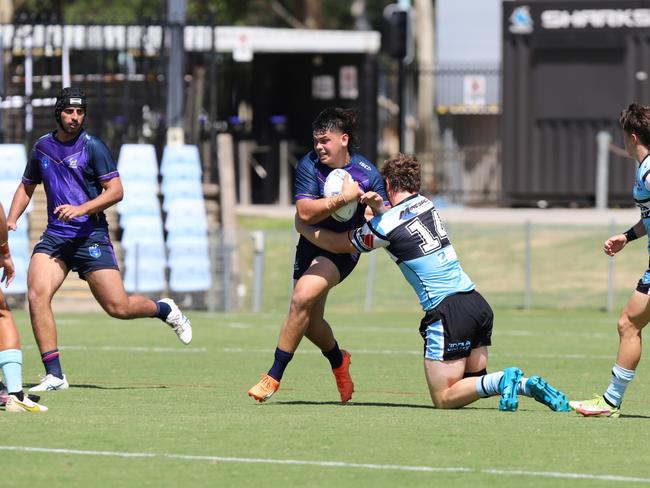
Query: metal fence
525	265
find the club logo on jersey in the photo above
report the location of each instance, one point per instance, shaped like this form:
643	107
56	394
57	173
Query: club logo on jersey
94	251
72	163
45	162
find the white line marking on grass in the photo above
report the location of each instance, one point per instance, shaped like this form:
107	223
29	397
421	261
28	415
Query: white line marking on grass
418	352
127	349
333	464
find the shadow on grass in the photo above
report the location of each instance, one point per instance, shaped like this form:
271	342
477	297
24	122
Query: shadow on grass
357	404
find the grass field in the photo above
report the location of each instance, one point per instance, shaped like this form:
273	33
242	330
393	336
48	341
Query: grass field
143	410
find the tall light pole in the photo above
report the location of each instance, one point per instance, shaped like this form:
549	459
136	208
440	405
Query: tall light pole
176	13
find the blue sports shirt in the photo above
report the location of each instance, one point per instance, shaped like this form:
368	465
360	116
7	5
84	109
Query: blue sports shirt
310	180
71	173
414	237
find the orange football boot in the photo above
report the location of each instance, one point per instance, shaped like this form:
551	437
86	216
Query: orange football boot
264	389
343	379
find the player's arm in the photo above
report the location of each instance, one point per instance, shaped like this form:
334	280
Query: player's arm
617	242
113	193
375	204
314	211
6	263
335	242
19	203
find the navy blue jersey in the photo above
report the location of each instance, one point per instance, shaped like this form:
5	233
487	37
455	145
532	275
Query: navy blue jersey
310	180
71	173
414	237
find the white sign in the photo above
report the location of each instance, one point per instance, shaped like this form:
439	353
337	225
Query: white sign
474	90
242	51
349	82
323	87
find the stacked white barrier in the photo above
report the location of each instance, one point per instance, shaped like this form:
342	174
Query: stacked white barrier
13	159
141	220
186	222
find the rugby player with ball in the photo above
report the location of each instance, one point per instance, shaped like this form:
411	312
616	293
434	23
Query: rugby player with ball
318	181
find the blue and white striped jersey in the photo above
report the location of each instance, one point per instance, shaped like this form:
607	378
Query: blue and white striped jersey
641	193
414	237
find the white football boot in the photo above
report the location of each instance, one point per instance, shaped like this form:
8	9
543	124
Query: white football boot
24	405
51	383
178	322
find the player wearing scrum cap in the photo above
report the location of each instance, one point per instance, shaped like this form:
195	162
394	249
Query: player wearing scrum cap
80	179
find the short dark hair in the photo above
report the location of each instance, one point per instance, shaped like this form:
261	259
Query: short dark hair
635	119
337	119
402	173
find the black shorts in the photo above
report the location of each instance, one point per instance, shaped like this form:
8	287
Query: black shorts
460	323
306	252
80	254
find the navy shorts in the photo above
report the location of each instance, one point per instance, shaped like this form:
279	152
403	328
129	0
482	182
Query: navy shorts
80	254
460	323
306	252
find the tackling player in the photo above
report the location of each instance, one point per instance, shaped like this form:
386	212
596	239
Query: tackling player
11	357
317	271
635	122
81	181
457	326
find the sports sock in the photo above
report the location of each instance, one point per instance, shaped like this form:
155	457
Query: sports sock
162	310
52	364
489	384
18	394
282	359
334	356
521	387
11	362
621	377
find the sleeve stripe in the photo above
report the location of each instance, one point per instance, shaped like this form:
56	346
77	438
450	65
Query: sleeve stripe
108	176
375	231
645	175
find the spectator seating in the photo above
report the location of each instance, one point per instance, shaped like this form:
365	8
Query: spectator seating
141	220
186	222
14	160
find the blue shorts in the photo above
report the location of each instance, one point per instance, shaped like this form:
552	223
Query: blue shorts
306	252
80	254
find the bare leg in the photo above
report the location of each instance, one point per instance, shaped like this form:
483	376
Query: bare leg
307	294
634	317
9	338
319	331
447	386
108	289
44	277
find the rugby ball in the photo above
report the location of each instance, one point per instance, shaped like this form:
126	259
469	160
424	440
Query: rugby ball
332	187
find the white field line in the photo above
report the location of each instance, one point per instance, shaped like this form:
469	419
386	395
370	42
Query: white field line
412	330
127	349
333	464
237	350
388	352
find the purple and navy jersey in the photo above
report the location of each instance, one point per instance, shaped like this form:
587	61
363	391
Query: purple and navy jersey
310	180
71	173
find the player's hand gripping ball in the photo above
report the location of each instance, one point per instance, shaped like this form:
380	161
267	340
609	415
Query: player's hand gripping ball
333	185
